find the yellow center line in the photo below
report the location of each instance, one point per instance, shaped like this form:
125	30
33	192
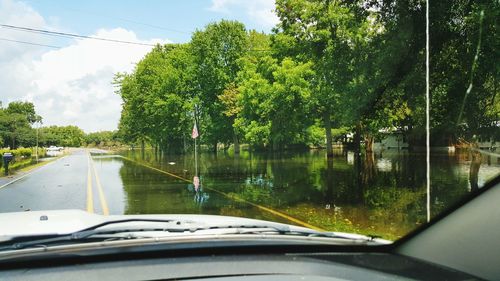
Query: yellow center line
90	200
235	198
102	198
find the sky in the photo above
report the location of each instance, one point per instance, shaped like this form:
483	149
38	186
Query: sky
70	80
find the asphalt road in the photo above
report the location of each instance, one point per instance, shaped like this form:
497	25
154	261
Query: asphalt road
70	182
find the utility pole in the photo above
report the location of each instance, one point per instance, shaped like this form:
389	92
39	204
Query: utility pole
36	149
38	122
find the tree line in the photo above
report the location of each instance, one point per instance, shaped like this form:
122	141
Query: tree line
20	125
327	67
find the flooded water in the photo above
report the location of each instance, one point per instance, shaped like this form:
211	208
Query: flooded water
380	194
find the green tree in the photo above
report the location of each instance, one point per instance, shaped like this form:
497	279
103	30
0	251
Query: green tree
464	70
216	51
158	98
15	124
131	126
24	108
102	138
274	102
335	36
66	136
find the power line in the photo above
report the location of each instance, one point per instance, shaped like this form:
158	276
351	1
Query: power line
30	43
130	21
107	16
66	35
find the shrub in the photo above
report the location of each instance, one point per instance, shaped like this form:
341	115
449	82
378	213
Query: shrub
22	156
24	152
18	153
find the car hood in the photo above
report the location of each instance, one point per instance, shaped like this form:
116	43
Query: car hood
58	222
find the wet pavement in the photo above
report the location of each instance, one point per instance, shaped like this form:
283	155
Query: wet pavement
91	180
57	185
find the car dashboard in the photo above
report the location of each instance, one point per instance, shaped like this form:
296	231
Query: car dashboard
238	264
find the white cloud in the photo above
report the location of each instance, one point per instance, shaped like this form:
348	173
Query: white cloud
14	57
260	11
71	85
222	6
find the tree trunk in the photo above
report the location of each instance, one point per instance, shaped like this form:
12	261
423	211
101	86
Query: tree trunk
142	149
169	148
369	168
236	144
328	129
369	143
409	137
357	138
358	186
275	146
215	147
184	144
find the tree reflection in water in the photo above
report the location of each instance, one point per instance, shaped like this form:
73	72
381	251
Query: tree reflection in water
382	193
475	164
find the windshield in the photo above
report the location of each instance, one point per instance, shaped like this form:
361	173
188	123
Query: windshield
330	115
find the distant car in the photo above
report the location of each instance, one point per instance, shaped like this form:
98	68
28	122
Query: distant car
55	148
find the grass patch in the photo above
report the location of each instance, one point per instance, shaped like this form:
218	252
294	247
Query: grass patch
334	220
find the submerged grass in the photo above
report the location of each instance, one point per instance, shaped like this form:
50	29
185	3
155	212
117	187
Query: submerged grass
335	220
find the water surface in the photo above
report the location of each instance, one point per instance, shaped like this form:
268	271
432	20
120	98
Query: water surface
380	194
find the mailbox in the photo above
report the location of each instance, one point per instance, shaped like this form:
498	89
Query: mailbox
7	157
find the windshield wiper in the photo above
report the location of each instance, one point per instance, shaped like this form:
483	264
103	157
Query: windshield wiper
178	227
82	234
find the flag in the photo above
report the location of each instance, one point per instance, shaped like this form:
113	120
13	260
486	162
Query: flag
194	134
